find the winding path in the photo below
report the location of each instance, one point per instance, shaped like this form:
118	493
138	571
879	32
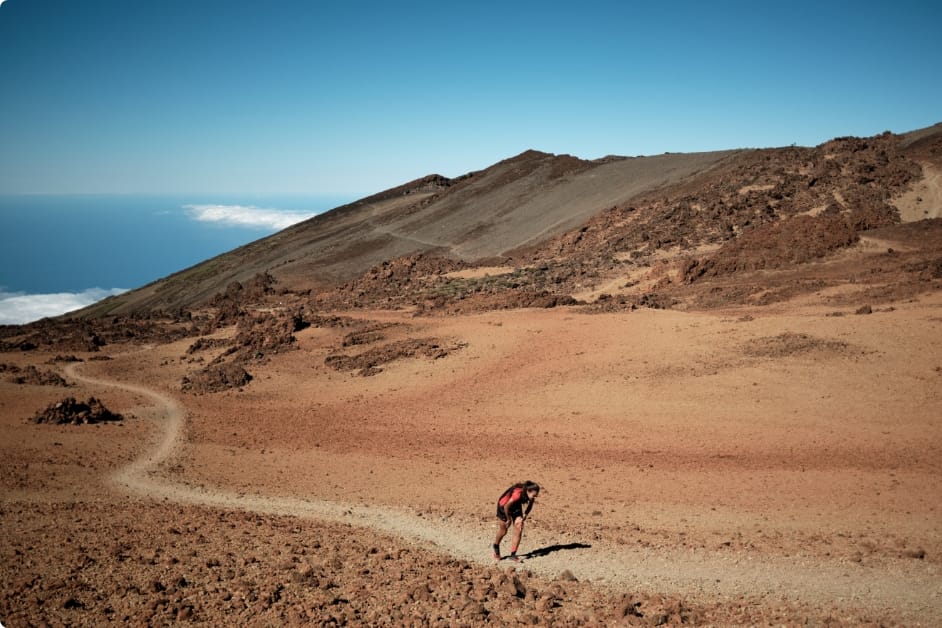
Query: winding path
912	590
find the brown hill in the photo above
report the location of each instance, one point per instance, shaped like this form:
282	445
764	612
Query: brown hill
744	229
521	200
570	227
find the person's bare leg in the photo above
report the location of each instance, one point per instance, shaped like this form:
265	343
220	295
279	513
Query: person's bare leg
518	534
502	527
501	533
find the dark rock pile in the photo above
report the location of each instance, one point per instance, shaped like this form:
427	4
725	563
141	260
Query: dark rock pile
780	244
847	177
63	358
33	376
426	282
370	361
261	330
231	305
266	333
391	284
70	411
91	334
216	378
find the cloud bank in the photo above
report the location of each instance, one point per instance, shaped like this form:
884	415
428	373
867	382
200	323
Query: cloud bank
247	216
17	308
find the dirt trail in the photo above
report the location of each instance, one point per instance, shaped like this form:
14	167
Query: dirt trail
913	590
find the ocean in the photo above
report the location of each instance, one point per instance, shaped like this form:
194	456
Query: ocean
63	252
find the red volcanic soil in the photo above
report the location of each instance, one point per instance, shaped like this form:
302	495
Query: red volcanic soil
740	466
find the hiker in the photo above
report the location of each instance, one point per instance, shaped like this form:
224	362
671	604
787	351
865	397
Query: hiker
510	510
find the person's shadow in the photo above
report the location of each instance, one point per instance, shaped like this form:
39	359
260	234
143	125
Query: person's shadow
549	549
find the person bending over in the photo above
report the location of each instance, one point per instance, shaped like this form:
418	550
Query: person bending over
510	509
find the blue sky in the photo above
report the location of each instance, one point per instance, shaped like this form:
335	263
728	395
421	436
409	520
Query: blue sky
354	97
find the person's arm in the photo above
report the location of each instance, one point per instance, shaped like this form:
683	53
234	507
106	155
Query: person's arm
526	513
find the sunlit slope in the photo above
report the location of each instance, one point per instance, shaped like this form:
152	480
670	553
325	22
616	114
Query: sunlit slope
520	201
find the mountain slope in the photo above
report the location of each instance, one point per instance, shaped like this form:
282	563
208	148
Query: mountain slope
760	225
523	200
581	228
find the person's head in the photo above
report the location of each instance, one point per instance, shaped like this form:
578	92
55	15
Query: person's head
532	489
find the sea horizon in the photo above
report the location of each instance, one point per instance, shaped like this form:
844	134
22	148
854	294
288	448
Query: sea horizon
62	252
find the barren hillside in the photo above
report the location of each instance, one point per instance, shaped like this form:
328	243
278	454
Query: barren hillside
521	200
577	228
724	369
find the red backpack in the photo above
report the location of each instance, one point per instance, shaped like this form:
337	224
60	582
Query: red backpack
511	494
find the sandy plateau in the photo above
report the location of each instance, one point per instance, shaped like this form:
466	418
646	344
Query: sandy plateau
745	466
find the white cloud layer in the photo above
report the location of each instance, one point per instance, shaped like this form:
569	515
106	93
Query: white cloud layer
19	308
247	216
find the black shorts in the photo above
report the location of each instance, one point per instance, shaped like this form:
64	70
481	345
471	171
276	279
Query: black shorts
516	510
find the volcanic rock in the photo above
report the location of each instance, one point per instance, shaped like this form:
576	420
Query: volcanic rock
76	412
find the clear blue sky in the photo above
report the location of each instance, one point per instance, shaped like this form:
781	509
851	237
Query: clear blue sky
354	97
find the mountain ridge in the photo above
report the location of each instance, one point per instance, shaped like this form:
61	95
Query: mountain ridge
526	207
521	202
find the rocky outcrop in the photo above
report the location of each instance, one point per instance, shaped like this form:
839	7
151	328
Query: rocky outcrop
70	411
